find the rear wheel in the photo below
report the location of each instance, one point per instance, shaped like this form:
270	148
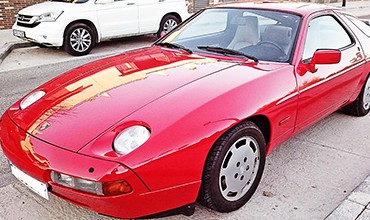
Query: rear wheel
233	168
361	106
167	24
79	39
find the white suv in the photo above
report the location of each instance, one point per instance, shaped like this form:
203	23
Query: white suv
78	24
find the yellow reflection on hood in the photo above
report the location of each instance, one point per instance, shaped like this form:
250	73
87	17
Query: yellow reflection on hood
100	83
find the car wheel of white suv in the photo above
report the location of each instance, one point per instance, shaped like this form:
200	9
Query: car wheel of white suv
167	24
79	39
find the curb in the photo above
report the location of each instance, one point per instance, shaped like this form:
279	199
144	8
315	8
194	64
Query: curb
9	47
356	206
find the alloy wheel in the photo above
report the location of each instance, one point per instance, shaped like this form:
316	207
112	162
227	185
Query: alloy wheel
239	168
169	25
80	39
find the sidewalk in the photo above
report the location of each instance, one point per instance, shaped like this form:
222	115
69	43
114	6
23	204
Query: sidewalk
358	8
356	206
8	43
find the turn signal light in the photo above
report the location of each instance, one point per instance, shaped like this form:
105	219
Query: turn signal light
116	188
113	188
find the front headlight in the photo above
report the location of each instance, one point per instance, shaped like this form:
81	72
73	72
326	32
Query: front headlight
130	139
49	16
31	98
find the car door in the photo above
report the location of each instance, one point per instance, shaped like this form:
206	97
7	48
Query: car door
150	14
118	18
329	87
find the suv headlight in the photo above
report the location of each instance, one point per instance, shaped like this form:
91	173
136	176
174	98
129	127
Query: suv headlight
49	16
130	139
31	98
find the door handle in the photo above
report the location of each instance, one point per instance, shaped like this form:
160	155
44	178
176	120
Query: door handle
130	3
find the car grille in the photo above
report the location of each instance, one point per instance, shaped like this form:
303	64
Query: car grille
26	21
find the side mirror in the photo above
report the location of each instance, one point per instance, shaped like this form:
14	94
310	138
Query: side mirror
104	1
326	57
321	56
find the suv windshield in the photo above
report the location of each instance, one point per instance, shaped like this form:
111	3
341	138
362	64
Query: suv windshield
259	34
70	1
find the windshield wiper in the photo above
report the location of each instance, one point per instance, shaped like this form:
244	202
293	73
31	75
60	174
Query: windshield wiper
173	45
226	51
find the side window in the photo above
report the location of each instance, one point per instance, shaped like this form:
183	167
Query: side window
324	33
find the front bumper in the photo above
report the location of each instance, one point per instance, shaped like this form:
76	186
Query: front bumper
46	33
37	159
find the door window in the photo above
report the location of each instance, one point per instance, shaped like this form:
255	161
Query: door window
324	32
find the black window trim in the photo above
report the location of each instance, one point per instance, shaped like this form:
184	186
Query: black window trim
341	23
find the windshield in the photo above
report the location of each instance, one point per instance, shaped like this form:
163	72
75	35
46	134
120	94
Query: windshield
70	1
260	34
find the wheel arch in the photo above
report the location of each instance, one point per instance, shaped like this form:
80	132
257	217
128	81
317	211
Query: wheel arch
263	124
177	15
359	85
83	21
261	121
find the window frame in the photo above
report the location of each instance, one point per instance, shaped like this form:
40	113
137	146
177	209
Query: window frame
345	28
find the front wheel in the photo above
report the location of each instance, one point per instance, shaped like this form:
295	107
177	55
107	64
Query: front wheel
79	39
233	168
167	24
361	106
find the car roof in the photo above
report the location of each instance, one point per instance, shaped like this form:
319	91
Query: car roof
300	8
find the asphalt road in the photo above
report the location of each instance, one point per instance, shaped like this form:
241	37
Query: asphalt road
306	178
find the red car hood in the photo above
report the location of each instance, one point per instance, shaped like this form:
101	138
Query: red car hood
83	103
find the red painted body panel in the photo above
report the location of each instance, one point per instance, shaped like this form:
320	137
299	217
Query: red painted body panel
120	88
216	109
186	100
300	8
38	158
331	86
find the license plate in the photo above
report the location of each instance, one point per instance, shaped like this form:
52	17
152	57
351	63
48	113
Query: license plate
32	183
19	33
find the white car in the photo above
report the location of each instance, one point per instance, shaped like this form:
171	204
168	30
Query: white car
77	25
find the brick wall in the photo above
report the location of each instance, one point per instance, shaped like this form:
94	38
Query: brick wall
10	8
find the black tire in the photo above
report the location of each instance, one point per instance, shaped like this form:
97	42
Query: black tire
361	106
167	24
214	192
79	39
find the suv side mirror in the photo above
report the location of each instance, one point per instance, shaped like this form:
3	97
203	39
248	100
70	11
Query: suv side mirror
104	1
321	56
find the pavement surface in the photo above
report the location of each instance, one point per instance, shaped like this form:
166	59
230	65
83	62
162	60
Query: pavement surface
324	137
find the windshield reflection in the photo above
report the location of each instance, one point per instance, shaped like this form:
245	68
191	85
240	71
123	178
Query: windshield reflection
264	34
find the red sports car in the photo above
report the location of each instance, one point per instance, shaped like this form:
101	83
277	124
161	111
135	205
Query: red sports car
192	117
